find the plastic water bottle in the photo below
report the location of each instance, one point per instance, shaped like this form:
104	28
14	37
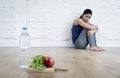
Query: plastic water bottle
24	41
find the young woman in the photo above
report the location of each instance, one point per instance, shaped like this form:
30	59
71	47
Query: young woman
83	32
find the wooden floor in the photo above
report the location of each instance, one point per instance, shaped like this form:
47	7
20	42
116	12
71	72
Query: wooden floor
81	63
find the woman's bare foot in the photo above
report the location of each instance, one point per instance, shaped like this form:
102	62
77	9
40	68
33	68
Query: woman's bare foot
100	48
96	48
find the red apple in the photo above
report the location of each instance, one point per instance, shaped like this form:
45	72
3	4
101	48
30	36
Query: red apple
49	61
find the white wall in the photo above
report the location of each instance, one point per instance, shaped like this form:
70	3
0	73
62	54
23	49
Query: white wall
50	21
8	23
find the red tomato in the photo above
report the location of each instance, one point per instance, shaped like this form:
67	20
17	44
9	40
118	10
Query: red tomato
49	62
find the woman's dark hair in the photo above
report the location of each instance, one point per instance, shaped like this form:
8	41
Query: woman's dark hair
86	11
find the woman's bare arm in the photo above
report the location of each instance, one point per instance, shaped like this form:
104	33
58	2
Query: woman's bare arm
85	25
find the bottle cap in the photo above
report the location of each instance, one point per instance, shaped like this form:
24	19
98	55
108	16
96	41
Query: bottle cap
24	28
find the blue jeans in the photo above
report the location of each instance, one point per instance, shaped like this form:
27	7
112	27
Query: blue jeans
83	40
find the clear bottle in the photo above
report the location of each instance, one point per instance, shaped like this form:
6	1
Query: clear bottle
24	44
24	39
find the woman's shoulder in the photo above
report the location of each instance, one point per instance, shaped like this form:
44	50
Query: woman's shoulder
76	21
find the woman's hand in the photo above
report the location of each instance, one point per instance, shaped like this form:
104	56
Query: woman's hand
95	27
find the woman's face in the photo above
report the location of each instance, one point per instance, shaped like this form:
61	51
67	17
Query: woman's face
86	17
